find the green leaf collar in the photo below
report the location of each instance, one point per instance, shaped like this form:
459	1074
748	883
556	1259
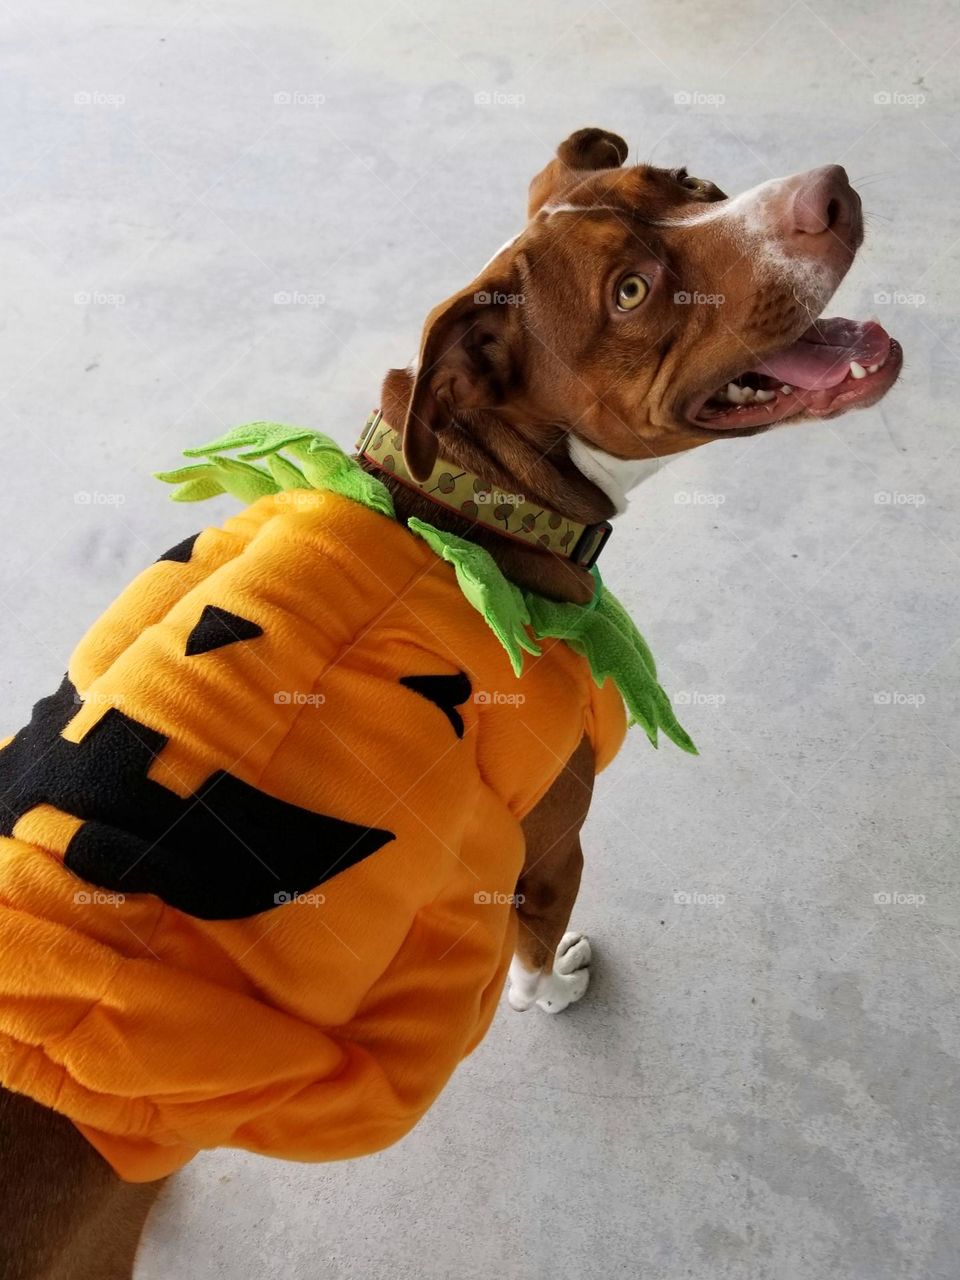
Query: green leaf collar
601	631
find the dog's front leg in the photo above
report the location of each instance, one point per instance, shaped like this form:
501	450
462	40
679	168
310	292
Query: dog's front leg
551	965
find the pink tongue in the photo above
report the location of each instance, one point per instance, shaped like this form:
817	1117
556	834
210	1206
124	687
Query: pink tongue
821	357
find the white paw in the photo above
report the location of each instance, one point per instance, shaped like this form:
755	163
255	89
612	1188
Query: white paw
573	953
570	977
524	985
518	999
565	984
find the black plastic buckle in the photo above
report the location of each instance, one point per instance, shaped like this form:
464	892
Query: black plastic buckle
590	543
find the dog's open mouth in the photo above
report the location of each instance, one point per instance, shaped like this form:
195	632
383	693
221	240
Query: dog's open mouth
835	365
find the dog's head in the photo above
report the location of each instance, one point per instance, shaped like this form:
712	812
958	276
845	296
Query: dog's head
642	312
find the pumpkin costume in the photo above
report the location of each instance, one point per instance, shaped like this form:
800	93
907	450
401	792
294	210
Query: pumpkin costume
257	852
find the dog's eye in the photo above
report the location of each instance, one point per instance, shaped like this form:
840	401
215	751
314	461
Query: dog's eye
688	181
631	291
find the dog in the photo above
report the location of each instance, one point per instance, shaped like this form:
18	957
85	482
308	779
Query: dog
639	313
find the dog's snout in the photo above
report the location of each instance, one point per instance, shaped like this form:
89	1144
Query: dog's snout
825	201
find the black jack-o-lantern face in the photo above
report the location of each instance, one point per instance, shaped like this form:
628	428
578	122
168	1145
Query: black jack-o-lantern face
218	854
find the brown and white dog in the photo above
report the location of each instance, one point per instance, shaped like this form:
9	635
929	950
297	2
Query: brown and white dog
639	313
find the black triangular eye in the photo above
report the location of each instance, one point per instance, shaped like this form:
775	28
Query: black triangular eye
447	692
182	552
219	627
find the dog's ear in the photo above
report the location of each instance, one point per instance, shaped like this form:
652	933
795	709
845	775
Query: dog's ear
583	151
465	363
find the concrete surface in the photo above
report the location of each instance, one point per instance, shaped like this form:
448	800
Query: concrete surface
764	1086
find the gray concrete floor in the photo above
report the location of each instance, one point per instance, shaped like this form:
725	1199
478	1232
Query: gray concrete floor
761	1088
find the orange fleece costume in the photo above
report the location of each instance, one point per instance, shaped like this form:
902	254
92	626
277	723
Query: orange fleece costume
255	883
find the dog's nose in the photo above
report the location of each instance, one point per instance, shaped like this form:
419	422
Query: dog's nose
825	201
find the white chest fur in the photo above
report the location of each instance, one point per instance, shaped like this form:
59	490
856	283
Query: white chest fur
615	476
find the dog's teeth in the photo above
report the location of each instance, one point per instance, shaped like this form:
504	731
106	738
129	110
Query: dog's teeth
747	394
734	393
764	397
872	368
857	370
786	389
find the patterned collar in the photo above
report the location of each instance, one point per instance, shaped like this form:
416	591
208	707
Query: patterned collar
463	492
601	631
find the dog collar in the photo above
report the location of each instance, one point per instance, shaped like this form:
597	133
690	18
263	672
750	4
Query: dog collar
601	631
474	499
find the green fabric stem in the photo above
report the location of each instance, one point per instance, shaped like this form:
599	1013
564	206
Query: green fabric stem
500	602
